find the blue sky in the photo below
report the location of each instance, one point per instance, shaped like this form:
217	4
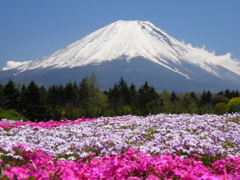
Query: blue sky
31	29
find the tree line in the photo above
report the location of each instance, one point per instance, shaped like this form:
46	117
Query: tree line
85	99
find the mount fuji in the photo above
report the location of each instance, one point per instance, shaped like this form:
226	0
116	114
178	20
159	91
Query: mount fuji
136	50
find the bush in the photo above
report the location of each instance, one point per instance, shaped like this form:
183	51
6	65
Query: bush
221	108
10	114
234	105
219	99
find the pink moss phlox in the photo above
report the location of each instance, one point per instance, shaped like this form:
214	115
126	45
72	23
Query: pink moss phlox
229	165
131	165
49	124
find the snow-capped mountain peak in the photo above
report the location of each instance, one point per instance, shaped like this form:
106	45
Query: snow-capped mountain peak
120	39
138	51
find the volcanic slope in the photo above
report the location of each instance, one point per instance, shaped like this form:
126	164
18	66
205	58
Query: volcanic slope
137	50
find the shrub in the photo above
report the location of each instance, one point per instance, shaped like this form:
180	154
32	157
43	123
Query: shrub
234	105
219	99
221	108
10	114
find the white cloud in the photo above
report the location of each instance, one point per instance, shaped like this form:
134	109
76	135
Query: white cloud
13	64
200	55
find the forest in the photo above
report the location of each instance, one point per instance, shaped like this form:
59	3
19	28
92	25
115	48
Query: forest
85	99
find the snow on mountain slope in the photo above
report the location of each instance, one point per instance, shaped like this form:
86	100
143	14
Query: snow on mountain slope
127	40
121	39
137	51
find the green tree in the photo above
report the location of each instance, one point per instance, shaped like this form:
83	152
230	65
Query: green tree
119	97
155	105
22	105
84	93
236	93
174	97
61	93
70	113
220	93
133	100
221	108
75	90
43	93
1	94
53	102
234	105
93	81
165	96
186	101
124	98
231	94
148	97
206	98
33	103
193	97
113	98
70	94
11	95
53	96
94	95
91	100
216	98
227	93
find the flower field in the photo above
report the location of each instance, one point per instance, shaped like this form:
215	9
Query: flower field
163	146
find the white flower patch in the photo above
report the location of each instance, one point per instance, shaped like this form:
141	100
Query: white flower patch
154	134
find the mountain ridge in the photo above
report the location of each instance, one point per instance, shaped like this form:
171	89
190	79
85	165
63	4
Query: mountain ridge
132	43
113	41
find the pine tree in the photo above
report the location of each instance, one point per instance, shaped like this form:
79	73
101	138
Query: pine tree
205	98
94	95
70	92
147	98
1	94
53	99
193	97
90	99
11	95
232	94
84	94
53	96
154	101
220	93
43	103
209	97
186	100
113	98
75	90
124	98
93	81
22	105
119	97
61	93
173	97
133	100
236	93
227	93
43	93
34	107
